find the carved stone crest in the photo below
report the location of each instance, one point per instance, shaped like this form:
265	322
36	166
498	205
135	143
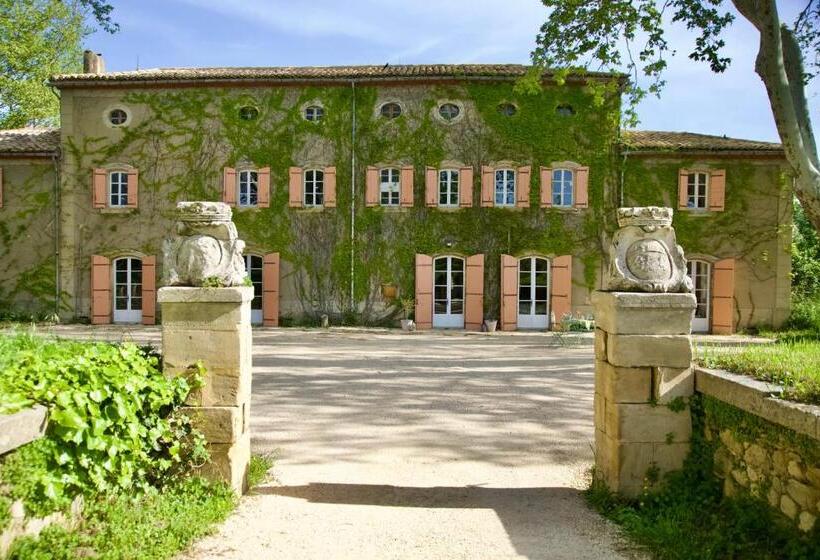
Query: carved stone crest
645	255
205	247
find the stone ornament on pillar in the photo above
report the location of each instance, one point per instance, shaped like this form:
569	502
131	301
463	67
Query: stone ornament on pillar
206	247
645	255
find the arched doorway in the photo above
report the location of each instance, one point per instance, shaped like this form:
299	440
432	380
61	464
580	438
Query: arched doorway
533	293
448	292
701	274
127	290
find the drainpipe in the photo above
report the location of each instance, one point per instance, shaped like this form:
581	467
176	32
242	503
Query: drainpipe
57	226
623	171
352	195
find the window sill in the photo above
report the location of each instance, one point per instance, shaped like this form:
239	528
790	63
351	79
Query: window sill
699	212
110	210
565	209
396	209
446	208
309	209
246	208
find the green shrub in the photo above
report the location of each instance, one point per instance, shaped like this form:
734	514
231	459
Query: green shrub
805	314
113	421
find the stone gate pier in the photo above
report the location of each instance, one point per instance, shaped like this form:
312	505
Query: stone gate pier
206	319
643	354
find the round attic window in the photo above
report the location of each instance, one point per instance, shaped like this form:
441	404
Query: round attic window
507	109
117	117
391	110
564	111
449	111
314	113
248	113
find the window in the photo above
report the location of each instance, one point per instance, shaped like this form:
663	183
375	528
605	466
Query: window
248	113
700	273
253	268
117	117
449	111
696	190
448	187
248	184
564	111
504	187
314	187
389	185
391	110
314	113
127	290
562	187
507	109
118	188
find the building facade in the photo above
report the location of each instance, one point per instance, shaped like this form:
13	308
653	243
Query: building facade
357	189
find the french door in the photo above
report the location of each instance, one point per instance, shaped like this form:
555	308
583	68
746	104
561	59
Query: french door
253	268
448	292
533	293
701	274
127	290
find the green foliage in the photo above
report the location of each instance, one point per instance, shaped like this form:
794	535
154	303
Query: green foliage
153	526
687	518
212	282
258	469
113	424
805	256
805	317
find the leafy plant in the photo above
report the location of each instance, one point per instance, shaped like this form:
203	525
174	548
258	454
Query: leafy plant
258	469
408	306
213	282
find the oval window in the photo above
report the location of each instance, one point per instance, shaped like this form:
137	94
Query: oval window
449	111
565	110
391	110
507	109
248	113
314	113
117	117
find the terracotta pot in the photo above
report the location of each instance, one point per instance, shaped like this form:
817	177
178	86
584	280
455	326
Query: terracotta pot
389	291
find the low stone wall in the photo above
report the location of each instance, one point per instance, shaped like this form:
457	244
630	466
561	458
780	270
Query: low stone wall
764	446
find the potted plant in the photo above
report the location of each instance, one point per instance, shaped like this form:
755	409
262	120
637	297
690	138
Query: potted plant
490	325
407	306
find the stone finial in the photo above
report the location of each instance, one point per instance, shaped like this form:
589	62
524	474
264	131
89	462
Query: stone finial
205	247
645	255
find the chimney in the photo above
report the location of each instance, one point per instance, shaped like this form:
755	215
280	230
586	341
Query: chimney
93	63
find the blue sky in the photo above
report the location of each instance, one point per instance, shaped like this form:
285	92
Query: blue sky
162	33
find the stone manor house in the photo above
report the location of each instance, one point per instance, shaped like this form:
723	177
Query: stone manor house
358	189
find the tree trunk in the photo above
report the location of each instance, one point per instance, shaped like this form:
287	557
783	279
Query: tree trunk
779	64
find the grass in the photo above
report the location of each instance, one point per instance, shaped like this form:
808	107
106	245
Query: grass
793	361
258	469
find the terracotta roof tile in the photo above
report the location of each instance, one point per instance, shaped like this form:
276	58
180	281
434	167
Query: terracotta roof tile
662	141
310	73
34	140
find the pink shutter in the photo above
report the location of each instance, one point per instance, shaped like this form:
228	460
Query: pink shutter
581	198
717	190
270	290
1	187
723	296
424	291
522	190
149	290
509	293
133	186
229	186
487	185
100	290
371	188
431	186
546	187
295	187
99	188
406	186
683	189
263	187
465	187
474	293
561	287
330	187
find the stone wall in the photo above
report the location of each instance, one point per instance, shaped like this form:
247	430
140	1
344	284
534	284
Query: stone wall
763	446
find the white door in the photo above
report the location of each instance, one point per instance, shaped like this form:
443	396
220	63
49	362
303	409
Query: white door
700	273
127	290
448	293
253	268
533	293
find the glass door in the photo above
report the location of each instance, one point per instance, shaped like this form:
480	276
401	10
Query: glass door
127	290
448	293
700	273
533	293
253	268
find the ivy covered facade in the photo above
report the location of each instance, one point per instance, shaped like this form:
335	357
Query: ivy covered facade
358	188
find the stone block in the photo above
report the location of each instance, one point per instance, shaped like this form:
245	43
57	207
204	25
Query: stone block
219	424
221	390
623	385
229	463
803	494
806	521
623	466
730	441
643	313
670	457
647	423
599	408
628	350
210	316
600	344
22	427
670	383
222	351
788	507
758	458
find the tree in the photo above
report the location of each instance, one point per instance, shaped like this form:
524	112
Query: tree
39	38
632	34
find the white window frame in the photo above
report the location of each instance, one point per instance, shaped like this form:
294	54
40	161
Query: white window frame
313	188
449	185
508	187
694	188
247	188
701	269
256	303
391	187
534	320
117	187
449	319
128	314
318	113
559	195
